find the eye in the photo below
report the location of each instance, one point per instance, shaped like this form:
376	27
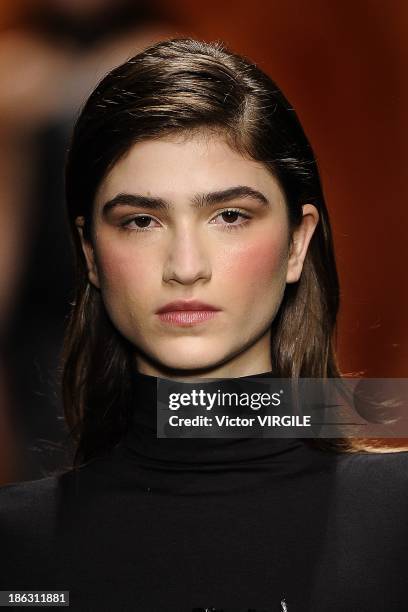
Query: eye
230	216
142	223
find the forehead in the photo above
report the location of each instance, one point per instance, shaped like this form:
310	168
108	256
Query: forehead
175	168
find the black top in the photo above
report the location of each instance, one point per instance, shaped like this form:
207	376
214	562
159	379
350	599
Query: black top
175	525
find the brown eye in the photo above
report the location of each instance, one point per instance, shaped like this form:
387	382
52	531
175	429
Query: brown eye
142	221
230	215
227	219
138	224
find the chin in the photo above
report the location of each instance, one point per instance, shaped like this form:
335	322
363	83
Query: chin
199	357
187	362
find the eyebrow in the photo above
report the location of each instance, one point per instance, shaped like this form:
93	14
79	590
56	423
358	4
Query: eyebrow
200	200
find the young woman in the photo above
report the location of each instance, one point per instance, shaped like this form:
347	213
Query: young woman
204	250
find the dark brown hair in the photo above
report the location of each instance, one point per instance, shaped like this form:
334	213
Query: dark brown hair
181	86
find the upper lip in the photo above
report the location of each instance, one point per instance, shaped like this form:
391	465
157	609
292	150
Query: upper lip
186	305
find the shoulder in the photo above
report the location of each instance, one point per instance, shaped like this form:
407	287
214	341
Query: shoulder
26	503
28	491
28	518
36	498
387	466
378	480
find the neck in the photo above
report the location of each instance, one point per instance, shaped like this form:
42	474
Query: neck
254	361
242	459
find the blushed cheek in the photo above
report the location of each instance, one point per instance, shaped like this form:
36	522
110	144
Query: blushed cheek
116	266
261	262
127	292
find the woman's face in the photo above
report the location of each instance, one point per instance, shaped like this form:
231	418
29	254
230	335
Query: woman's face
191	219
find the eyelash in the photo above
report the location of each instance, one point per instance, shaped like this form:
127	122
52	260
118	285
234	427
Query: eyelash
227	227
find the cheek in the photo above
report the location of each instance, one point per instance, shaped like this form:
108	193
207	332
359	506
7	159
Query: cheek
254	267
123	273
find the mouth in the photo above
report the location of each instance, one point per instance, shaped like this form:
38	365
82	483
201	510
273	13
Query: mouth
187	318
187	312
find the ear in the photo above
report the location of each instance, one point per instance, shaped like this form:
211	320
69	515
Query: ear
88	251
300	242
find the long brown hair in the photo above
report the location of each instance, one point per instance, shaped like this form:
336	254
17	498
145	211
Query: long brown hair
181	86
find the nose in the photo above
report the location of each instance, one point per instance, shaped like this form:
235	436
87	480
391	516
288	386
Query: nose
187	258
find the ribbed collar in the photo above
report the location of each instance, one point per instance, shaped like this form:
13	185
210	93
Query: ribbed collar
196	454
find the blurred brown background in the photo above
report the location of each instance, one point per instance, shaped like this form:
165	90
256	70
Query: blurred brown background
341	64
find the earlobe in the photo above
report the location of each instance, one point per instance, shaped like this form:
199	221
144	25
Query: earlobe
300	242
88	252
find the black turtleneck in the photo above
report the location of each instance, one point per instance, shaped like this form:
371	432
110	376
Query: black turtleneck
179	524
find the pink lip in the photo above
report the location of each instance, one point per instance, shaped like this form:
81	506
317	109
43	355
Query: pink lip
187	318
184	305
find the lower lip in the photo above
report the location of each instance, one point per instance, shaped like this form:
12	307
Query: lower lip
187	317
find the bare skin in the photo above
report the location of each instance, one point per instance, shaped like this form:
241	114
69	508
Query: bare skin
237	255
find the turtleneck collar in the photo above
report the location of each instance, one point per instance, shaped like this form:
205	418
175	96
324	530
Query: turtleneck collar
195	454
